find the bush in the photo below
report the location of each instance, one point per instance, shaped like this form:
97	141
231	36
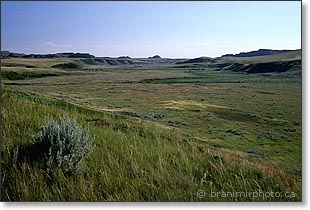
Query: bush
62	145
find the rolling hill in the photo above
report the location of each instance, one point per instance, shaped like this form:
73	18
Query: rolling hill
260	52
261	61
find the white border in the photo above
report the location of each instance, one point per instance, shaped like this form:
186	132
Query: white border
178	206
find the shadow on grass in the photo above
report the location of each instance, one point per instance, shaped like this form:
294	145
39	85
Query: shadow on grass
33	154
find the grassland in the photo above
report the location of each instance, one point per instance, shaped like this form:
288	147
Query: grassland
162	132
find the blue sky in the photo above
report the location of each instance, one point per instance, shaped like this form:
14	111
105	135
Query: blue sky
142	29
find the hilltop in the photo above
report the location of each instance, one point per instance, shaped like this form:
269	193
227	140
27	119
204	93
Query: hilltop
155	56
260	61
88	59
8	54
260	52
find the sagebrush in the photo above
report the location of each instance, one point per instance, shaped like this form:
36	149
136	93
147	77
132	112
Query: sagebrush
63	144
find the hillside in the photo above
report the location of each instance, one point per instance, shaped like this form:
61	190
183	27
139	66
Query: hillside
7	54
133	160
197	60
89	59
260	52
268	67
261	61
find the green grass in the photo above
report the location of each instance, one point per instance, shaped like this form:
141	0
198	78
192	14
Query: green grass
35	63
132	160
12	75
197	110
162	131
70	65
288	56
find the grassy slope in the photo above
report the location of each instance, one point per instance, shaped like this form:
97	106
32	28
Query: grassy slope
21	69
282	62
35	63
132	160
289	56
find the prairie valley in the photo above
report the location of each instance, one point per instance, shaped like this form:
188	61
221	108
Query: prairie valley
161	125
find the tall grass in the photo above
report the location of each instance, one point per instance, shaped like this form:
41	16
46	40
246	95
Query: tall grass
131	161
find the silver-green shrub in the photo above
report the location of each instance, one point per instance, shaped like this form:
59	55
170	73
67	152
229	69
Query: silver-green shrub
63	144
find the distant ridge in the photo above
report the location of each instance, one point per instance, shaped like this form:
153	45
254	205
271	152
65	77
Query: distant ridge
260	52
155	56
197	60
260	61
7	54
82	59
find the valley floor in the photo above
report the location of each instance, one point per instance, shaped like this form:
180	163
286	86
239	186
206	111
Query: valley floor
162	133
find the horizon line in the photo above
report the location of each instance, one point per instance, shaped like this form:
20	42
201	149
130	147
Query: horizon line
89	53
